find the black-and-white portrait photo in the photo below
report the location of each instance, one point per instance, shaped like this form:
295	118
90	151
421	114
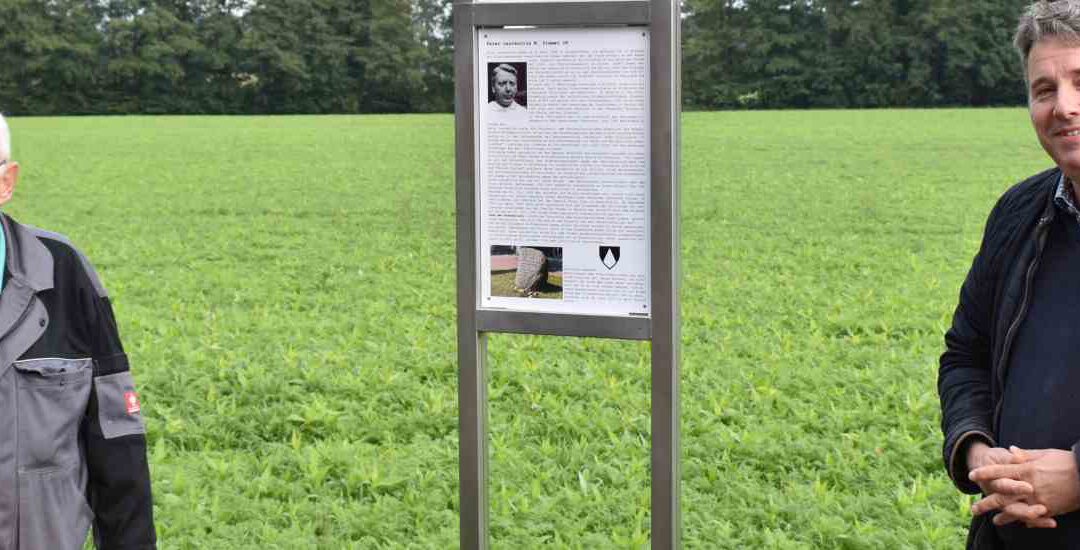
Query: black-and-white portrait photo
507	93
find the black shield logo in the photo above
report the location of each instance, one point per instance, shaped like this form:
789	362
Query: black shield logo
609	256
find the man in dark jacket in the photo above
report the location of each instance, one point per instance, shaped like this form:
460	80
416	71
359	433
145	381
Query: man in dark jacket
1009	379
72	440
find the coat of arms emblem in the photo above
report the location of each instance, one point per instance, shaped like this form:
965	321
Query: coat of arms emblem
609	256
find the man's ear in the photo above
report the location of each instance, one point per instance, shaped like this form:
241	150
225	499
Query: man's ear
7	181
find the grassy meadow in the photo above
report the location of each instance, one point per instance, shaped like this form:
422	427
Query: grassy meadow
285	288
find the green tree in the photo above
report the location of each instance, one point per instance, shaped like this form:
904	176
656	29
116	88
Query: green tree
50	56
311	67
392	59
146	45
212	79
434	29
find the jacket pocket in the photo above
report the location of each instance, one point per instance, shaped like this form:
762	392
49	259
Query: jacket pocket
119	411
52	398
53	512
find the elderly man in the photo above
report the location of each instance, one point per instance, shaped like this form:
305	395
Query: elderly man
1009	379
504	86
72	443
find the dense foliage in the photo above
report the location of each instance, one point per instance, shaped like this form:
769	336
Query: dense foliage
366	56
850	53
225	56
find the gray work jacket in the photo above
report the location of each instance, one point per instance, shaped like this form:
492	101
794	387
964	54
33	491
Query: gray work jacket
72	438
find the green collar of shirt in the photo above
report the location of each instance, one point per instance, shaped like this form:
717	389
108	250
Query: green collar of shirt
3	258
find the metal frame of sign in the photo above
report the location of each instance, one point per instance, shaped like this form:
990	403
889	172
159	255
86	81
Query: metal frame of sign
661	17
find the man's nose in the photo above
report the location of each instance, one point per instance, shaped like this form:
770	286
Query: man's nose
1068	103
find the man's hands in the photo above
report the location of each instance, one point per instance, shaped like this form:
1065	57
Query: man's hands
1011	496
1028	486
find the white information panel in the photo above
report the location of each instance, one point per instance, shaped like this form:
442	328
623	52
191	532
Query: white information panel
563	170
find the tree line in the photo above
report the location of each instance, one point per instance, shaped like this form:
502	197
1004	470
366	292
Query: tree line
851	53
395	56
225	56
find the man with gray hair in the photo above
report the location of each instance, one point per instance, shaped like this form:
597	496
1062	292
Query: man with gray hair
1008	379
72	438
504	89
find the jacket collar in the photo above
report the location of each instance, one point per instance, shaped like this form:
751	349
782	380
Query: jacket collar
27	258
1049	210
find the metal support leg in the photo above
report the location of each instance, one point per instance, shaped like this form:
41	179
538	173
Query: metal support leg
472	344
473	454
666	96
665	446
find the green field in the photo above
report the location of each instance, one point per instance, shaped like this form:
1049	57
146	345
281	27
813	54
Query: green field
285	288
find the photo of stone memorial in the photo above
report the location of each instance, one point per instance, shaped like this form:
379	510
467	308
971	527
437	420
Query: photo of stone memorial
526	271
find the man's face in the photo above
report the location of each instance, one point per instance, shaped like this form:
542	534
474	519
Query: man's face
504	87
1054	101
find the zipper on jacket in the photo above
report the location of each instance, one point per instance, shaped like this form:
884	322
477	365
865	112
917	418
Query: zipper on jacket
18	450
1029	277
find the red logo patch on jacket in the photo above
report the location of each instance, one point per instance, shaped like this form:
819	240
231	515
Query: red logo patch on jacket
132	402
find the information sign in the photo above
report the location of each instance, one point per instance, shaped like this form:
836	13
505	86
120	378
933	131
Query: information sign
567	170
563	170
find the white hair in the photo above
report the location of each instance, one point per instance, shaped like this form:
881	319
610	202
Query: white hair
5	139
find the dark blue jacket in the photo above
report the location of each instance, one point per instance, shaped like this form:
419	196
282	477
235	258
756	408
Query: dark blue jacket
993	301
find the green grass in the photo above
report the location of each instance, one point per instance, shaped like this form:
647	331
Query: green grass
285	288
502	284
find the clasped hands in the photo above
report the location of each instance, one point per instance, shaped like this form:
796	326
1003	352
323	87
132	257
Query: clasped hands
1031	486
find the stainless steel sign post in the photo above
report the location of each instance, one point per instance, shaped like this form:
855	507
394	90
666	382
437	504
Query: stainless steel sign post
567	152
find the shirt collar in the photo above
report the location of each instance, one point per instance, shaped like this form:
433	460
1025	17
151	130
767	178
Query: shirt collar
1063	198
